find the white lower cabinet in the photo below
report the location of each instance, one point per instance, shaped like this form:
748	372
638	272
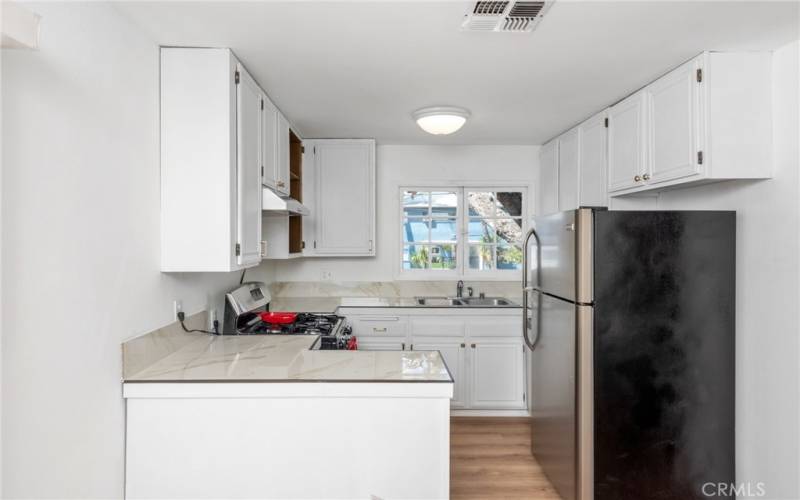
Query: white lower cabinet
483	351
497	373
453	351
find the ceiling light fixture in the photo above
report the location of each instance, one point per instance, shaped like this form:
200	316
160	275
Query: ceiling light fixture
441	120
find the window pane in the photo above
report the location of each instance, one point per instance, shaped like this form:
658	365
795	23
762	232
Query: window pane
444	230
415	257
444	204
509	204
415	230
481	231
481	204
509	231
509	257
481	257
415	203
443	257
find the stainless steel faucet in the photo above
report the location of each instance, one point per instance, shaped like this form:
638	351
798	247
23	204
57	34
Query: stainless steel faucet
460	289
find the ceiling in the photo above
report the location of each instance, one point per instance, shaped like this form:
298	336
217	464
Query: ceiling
359	68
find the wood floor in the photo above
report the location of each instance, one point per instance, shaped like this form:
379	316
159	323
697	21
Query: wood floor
490	458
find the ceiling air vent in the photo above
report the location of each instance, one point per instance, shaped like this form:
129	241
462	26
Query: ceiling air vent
520	16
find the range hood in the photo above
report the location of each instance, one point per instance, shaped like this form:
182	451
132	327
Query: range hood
275	203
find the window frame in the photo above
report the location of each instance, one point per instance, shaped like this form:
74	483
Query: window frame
462	270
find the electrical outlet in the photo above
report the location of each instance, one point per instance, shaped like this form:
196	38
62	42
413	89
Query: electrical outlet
327	275
177	306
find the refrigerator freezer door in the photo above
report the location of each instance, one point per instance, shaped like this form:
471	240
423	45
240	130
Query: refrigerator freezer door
553	383
566	255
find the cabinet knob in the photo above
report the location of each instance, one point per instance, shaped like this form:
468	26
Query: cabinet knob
403	346
472	345
637	178
646	177
463	345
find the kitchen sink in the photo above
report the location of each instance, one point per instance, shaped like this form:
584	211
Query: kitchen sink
464	301
439	301
486	301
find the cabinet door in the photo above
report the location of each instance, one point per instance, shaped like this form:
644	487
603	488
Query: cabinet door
626	145
248	169
497	380
453	351
592	171
283	154
568	160
673	102
345	204
269	146
548	178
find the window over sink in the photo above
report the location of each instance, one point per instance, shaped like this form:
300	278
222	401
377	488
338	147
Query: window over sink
473	232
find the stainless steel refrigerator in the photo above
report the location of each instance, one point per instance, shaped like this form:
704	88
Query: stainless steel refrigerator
629	316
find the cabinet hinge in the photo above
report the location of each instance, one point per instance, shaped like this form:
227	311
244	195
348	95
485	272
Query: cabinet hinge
262	103
302	149
315	243
236	77
523	397
699	157
606	122
262	170
699	75
303	244
238	249
315	150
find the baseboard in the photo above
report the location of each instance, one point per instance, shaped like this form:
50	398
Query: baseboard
489	413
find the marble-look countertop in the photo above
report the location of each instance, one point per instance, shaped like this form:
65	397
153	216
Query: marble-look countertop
330	304
284	358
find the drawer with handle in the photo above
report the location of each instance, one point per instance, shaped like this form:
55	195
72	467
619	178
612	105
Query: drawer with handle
378	326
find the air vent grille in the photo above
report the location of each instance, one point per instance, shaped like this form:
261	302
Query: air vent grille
526	9
490	8
505	16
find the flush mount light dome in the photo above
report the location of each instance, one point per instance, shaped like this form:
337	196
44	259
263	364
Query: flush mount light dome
441	120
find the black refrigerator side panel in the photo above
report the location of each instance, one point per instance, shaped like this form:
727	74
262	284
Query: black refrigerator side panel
663	354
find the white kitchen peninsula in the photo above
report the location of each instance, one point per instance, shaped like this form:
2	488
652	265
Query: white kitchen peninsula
267	417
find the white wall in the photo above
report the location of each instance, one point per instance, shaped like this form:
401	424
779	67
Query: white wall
768	295
80	195
416	165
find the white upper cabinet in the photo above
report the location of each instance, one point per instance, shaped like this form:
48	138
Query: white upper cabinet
709	119
627	160
283	156
210	162
548	179
269	149
343	218
249	99
568	159
573	166
593	156
674	124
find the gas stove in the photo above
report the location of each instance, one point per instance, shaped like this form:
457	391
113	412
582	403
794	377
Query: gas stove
331	328
245	314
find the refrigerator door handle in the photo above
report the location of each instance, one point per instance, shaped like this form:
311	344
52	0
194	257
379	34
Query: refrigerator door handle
525	288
